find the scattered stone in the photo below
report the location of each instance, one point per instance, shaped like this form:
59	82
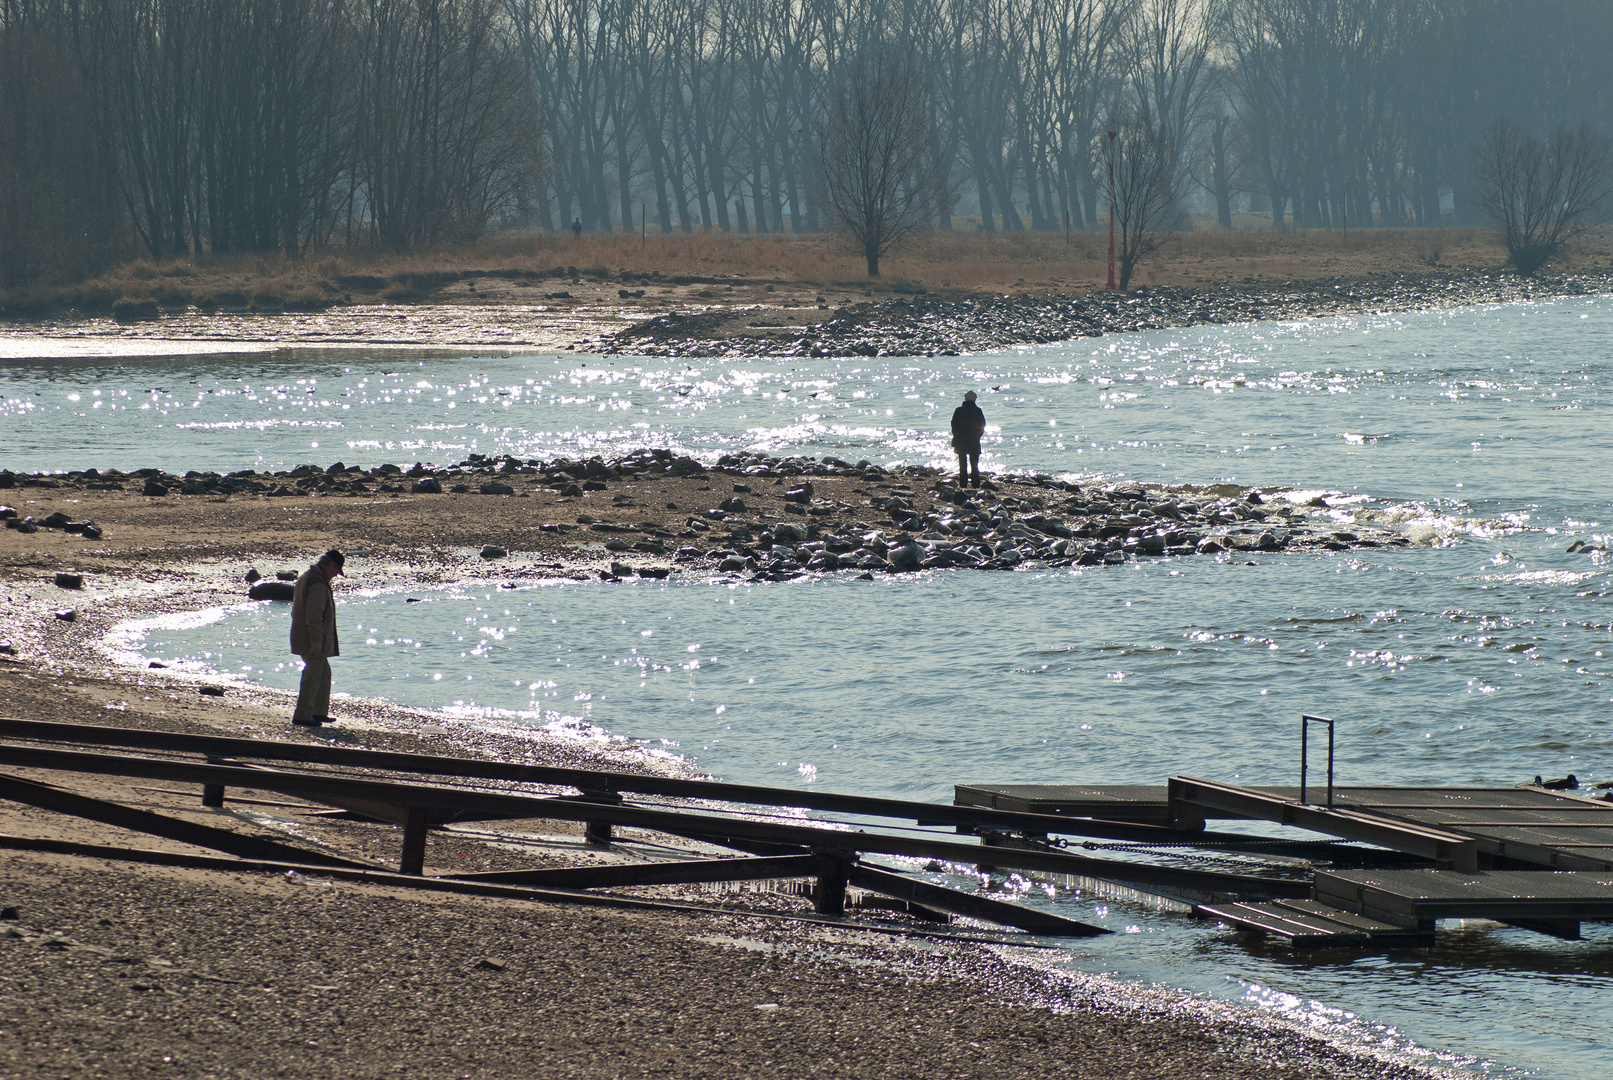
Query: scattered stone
64	580
493	551
429	485
154	488
7	649
490	963
252	575
286	575
495	487
211	691
67	615
906	557
620	570
11	913
272	590
26	525
157	665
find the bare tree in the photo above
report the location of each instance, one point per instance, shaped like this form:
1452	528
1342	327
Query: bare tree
880	175
1146	193
1542	193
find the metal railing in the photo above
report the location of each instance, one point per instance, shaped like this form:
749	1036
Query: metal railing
1305	723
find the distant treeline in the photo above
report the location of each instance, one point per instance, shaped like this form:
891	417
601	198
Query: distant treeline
1313	111
185	126
188	126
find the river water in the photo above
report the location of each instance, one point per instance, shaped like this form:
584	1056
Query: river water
1481	655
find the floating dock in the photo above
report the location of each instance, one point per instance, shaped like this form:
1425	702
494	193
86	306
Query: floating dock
1528	856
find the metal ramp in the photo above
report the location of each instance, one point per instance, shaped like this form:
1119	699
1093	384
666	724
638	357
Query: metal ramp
1307	924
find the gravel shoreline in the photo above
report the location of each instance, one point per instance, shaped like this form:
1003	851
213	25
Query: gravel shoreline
936	327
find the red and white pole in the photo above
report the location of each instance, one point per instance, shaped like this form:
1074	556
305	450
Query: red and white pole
1112	137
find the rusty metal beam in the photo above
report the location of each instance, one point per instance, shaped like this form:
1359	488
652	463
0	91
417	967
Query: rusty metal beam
1189	796
594	782
685	872
62	801
976	907
684	823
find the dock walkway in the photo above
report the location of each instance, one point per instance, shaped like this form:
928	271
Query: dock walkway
1527	856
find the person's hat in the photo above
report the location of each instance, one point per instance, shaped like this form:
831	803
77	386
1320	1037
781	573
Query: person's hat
969	396
335	558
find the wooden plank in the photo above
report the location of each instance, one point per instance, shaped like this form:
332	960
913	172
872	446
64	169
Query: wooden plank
977	907
1445	848
62	801
624	875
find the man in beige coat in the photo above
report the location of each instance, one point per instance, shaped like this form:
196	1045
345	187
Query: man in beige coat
313	637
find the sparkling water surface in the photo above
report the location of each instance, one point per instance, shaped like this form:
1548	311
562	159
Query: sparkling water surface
1474	657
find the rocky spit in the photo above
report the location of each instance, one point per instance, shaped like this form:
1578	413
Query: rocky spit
654	511
928	326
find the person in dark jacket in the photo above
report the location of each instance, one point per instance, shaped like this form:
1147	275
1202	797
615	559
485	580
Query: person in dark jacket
313	637
968	425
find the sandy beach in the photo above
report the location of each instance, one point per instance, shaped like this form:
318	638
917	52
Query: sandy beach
114	969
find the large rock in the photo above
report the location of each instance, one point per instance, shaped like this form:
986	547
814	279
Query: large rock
495	488
428	485
272	590
906	557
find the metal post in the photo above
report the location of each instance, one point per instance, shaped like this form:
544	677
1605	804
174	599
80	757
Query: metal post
1112	136
599	832
834	874
213	795
1305	722
415	822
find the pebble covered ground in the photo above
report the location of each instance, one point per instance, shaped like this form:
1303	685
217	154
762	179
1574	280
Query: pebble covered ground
108	970
931	326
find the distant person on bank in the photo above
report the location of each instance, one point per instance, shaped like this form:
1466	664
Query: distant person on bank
968	425
313	637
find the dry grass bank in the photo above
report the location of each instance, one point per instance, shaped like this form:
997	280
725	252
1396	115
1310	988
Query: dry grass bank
536	268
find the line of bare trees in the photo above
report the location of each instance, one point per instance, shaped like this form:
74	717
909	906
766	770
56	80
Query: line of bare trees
1320	113
178	127
287	125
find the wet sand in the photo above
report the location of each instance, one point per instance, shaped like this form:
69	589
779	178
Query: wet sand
113	969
